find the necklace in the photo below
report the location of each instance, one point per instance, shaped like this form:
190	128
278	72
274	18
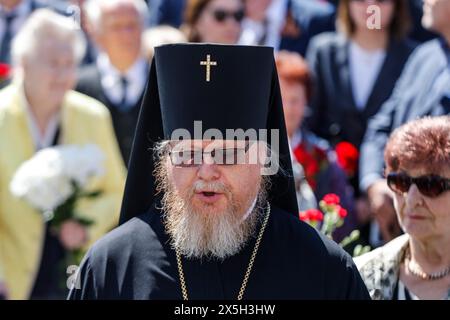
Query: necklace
249	268
417	271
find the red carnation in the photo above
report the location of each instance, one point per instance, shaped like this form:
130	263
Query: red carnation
304	216
309	164
311	215
342	212
347	157
316	215
4	71
331	199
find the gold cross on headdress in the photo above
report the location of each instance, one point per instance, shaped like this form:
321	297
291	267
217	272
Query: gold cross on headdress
208	63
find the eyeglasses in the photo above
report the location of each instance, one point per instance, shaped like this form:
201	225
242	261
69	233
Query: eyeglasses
429	185
220	156
221	15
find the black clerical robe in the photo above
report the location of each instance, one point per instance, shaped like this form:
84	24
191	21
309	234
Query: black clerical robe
294	261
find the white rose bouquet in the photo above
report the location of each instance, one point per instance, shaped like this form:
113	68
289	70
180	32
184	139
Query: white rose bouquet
55	178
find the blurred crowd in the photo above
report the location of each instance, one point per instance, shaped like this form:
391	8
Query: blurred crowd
75	72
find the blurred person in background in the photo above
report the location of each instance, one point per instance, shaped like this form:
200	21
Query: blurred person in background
355	71
13	14
119	74
415	265
285	24
322	171
422	90
39	110
213	21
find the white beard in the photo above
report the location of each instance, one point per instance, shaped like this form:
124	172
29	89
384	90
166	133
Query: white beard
209	235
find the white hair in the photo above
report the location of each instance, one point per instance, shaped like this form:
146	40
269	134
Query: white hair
47	24
93	10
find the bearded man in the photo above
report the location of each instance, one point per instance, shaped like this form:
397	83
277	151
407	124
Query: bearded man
210	210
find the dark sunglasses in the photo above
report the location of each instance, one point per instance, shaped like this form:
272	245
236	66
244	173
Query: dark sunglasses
221	15
194	158
429	185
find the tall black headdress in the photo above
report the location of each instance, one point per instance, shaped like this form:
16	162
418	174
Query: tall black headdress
225	87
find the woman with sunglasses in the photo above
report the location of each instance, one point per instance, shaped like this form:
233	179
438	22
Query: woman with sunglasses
415	265
213	21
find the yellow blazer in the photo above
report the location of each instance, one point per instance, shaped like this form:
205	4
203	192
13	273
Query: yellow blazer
83	120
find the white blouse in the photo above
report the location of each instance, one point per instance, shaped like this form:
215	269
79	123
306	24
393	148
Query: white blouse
364	69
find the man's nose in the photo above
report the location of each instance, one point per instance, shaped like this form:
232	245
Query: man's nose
208	171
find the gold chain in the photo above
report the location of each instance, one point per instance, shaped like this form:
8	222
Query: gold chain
181	273
249	268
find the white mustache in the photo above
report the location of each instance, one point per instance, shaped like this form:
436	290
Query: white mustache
202	186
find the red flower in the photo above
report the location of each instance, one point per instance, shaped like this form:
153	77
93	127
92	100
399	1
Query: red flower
304	216
316	215
331	199
311	215
342	212
347	157
311	160
4	71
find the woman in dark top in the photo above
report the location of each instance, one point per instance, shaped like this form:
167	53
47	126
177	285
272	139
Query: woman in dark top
355	70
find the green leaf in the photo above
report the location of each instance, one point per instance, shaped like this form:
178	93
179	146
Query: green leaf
357	250
360	250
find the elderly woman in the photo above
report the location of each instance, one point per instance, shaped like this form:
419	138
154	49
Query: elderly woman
415	265
214	21
39	110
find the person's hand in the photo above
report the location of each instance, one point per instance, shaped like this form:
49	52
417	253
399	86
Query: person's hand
382	207
3	291
73	235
